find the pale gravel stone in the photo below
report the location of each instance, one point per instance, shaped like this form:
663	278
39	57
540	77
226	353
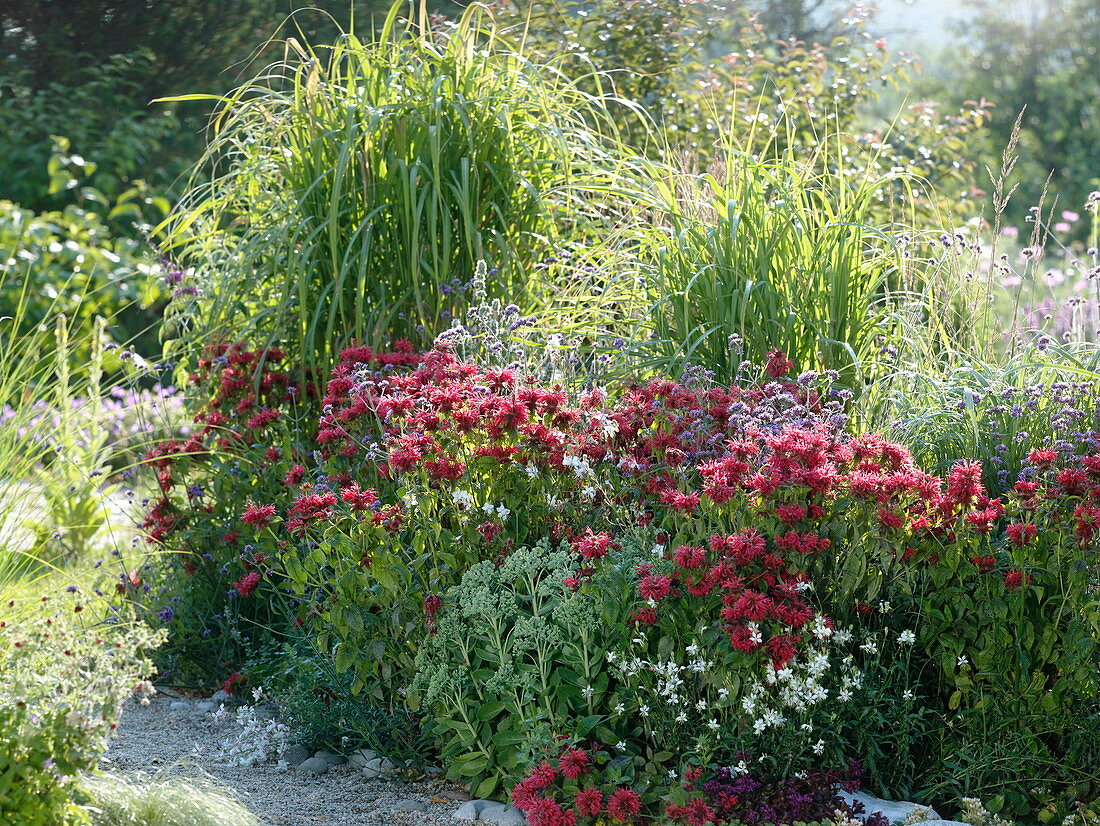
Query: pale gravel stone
153	739
502	815
317	765
471	809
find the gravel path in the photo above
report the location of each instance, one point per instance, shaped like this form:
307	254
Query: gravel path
182	742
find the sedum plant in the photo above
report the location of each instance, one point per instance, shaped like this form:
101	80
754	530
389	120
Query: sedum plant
513	652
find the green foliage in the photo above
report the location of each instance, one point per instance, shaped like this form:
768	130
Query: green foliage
514	652
356	182
64	683
317	706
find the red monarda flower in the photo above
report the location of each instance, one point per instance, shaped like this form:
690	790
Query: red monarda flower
624	805
1019	534
646	616
1014	579
695	813
964	483
489	530
778	364
541	776
654	587
247	583
592	545
234	682
589	802
984	564
258	515
1043	457
688	556
573	763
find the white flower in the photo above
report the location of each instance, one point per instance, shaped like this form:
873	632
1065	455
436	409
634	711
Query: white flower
589	492
488	508
409	499
819	747
962	661
621	745
462	498
658	550
723	693
844	695
871	647
907	637
586	692
907	694
643	711
701	705
672	774
531	471
807	727
503	512
619	709
681	717
885	607
712	724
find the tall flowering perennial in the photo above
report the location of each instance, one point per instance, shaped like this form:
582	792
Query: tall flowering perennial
226	484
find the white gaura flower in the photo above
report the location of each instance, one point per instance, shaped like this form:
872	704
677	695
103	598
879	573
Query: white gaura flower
589	492
621	745
701	705
907	637
503	512
619	709
819	747
462	498
844	695
962	661
658	550
871	647
531	471
908	694
643	711
409	499
489	508
608	426
586	692
712	724
681	717
723	693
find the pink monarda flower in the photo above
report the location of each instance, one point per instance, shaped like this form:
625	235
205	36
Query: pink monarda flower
258	515
1014	579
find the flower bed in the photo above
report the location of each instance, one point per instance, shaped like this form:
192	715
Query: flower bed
707	592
